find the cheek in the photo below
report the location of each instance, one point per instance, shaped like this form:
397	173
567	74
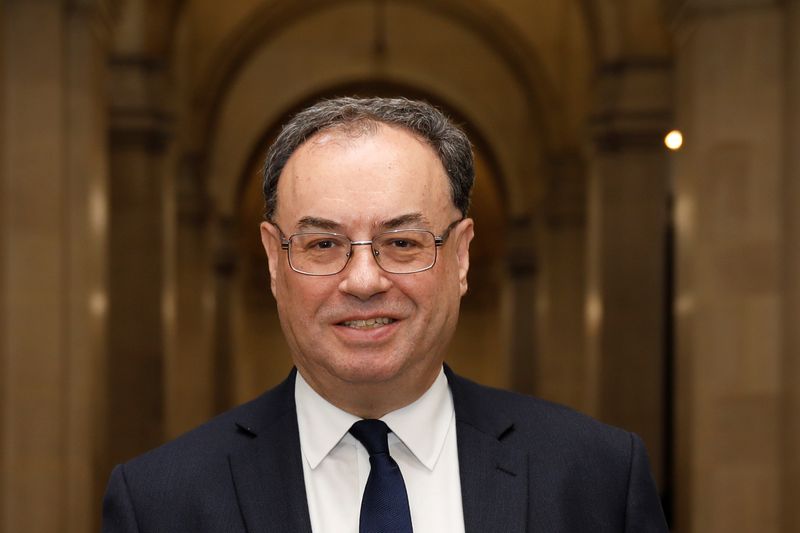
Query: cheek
448	281
448	293
302	296
431	296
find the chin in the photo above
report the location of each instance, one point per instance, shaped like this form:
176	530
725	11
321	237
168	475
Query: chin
371	370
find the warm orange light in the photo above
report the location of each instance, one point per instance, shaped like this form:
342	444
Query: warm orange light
674	140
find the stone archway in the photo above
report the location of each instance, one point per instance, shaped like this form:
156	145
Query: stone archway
265	83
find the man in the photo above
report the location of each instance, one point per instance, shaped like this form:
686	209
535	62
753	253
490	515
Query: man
367	239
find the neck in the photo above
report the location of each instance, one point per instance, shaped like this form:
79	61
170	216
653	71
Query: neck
371	400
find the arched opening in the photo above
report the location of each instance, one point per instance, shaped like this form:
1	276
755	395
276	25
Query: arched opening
499	105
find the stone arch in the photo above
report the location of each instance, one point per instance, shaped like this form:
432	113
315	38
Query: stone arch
627	29
251	84
223	92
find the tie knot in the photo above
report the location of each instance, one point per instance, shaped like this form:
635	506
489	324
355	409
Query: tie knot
373	434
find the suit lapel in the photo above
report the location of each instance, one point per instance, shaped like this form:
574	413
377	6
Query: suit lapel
494	475
267	470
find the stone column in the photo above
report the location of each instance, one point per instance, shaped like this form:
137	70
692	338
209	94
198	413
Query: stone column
627	224
224	393
561	359
522	268
791	276
189	370
731	187
140	220
54	205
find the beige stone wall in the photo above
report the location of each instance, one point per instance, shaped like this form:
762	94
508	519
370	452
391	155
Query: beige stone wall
732	305
54	205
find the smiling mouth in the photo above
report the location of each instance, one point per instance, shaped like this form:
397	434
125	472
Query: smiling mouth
368	323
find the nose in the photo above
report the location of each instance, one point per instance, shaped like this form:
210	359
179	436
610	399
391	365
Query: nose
362	277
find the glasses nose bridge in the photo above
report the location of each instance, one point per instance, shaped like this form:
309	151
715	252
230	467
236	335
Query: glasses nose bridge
369	243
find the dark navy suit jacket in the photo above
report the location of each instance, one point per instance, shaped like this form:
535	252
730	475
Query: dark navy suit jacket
526	465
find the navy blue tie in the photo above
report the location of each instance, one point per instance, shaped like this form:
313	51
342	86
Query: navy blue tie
384	507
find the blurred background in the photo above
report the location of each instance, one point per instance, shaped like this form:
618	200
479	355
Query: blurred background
653	288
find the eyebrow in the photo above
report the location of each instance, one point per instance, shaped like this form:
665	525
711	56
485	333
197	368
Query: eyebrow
404	220
318	223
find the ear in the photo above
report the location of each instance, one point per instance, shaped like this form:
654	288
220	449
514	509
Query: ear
465	235
271	240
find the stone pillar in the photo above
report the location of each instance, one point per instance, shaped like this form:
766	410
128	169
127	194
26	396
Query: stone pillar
627	223
522	268
791	276
561	358
54	206
189	370
140	218
4	239
731	187
224	393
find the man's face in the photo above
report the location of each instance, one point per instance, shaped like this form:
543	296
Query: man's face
359	186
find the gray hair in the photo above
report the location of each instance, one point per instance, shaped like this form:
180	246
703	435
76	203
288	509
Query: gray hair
361	116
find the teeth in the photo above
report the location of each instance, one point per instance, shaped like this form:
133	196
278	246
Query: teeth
368	323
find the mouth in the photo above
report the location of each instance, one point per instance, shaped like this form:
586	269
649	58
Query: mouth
369	323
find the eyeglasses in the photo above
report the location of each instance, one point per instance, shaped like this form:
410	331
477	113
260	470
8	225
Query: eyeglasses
400	251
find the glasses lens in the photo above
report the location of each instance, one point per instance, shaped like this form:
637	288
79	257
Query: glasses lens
318	253
405	251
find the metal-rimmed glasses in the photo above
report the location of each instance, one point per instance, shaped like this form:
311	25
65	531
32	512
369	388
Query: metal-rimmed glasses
399	251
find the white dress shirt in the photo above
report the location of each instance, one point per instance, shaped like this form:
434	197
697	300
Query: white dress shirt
336	465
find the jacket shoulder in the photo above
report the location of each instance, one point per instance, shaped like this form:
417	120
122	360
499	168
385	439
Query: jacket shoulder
583	475
206	447
533	423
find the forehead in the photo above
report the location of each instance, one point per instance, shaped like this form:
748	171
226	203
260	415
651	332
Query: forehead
358	175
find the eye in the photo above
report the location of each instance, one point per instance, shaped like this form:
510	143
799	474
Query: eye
403	243
324	245
319	243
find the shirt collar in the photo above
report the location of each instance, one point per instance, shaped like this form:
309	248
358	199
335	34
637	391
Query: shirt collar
422	426
320	423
